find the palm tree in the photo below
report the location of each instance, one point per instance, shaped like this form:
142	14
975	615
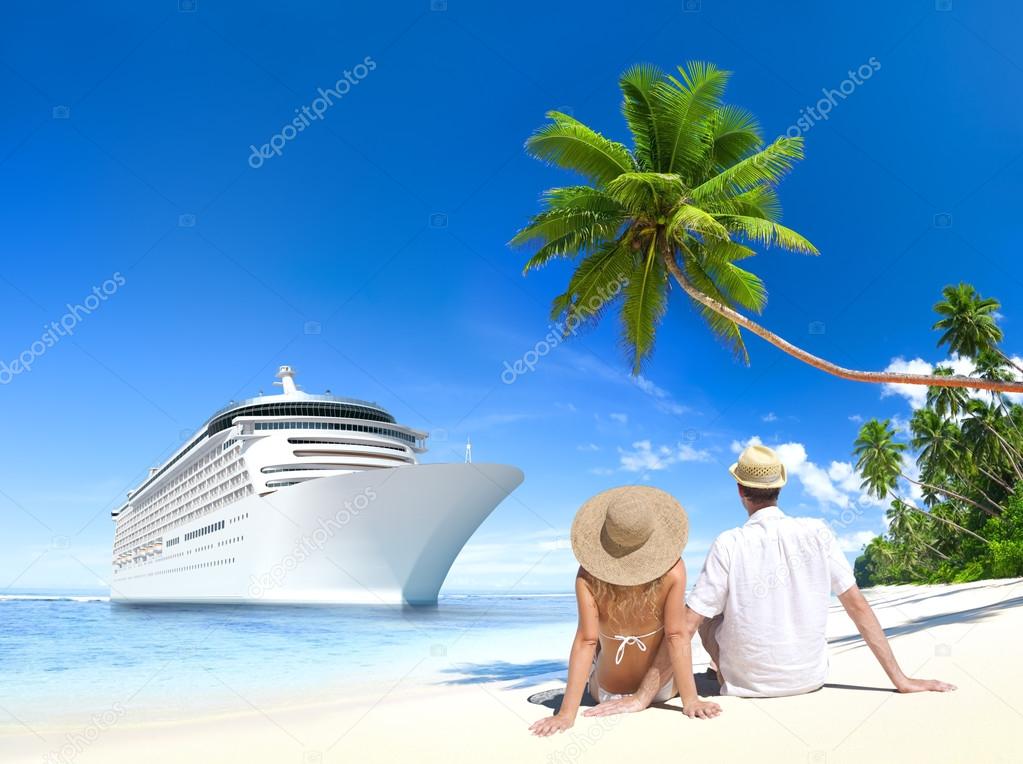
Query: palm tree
947	402
879	460
981	432
968	323
689	200
940	451
905	524
990	363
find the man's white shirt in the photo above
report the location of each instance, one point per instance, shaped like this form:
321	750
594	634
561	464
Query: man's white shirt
772	580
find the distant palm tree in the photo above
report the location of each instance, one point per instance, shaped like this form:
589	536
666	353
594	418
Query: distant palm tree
904	523
941	453
990	363
879	460
968	323
982	431
947	402
689	200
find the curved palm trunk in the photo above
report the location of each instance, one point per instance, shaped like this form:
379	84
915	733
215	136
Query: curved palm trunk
999	401
949	492
942	555
996	479
981	491
958	527
876	377
1008	360
1007	449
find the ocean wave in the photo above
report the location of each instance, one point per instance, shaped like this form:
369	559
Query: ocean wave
53	598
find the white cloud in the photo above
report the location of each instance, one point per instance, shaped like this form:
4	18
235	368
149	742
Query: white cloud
644	457
662	397
845	475
602	471
901	426
687	453
910	468
855	541
855	418
838	486
536	559
588	447
917	394
620	418
770	416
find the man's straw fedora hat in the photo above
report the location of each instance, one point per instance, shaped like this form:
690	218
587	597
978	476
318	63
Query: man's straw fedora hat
629	535
759	467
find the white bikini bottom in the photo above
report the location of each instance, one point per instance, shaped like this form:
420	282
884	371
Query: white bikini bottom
599	694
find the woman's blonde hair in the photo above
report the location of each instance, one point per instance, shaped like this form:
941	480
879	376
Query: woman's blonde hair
624	605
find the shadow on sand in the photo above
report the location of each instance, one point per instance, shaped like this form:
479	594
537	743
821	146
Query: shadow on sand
532	674
926	622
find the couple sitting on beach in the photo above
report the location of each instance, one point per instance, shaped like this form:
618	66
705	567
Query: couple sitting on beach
760	604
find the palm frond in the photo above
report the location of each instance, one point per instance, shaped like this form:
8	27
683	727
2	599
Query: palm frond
571	145
580	198
643	192
761	201
682	109
558	223
569	246
644	304
726	251
742	287
577	219
724	329
597	281
637	85
689	218
769	165
768	233
734	134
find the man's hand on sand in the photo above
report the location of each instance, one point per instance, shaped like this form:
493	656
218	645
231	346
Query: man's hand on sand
627	704
924	685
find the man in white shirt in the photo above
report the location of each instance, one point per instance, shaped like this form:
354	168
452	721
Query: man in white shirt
761	603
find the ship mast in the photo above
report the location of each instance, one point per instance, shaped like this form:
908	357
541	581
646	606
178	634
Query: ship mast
286	375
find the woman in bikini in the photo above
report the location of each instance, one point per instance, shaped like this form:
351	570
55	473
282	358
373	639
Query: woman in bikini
630	591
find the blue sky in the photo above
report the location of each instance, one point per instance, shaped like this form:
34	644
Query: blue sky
370	253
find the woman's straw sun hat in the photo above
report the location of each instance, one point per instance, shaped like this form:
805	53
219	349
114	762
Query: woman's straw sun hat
759	467
629	535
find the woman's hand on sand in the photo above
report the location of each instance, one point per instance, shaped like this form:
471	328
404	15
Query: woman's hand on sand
701	709
549	725
627	704
924	685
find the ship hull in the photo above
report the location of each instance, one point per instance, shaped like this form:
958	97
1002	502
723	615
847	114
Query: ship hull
385	536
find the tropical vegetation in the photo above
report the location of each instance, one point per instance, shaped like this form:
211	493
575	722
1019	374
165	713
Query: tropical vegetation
686	205
962	452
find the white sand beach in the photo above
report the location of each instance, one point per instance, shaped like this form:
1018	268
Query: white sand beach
966	634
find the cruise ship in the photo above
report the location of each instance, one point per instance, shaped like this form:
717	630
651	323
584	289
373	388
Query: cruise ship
300	498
